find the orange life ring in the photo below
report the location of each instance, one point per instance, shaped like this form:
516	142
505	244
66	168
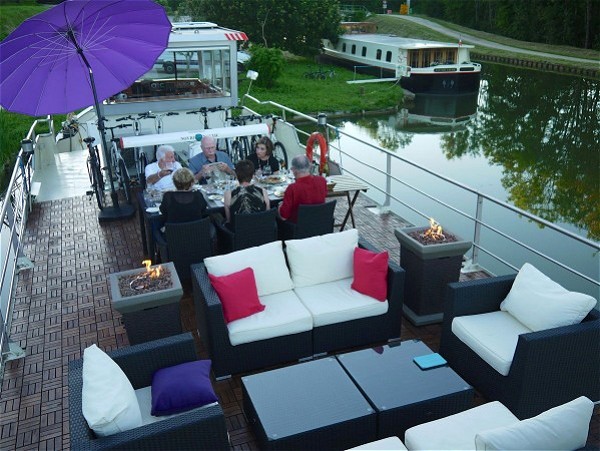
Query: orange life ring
323	148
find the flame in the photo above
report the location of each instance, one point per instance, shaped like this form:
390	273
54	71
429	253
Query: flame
153	272
435	231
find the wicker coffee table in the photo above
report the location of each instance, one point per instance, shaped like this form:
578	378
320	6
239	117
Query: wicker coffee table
402	394
312	405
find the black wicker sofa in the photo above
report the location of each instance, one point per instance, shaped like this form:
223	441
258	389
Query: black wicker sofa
228	359
549	367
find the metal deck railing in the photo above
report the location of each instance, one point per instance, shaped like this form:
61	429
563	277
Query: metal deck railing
503	250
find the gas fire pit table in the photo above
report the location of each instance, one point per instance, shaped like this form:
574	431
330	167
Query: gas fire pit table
429	268
149	303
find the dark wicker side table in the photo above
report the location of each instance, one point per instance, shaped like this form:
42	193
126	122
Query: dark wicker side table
403	394
312	405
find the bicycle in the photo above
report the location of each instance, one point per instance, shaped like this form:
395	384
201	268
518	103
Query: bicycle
240	147
158	120
204	112
320	74
121	174
95	173
279	151
140	159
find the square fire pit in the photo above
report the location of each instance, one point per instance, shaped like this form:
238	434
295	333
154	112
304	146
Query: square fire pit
150	309
429	268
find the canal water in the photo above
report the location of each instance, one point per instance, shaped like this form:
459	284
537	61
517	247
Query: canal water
528	138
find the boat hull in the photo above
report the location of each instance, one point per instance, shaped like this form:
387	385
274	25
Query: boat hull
442	83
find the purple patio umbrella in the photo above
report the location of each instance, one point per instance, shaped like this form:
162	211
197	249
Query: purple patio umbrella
79	53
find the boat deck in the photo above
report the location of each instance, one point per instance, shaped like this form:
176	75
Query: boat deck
63	305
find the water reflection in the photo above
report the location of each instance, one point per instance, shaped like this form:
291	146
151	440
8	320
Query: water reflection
540	129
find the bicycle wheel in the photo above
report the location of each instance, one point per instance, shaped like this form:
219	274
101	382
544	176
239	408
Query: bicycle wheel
237	151
124	182
98	183
142	169
246	145
280	153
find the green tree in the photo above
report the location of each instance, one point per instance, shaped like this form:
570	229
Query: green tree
268	63
294	25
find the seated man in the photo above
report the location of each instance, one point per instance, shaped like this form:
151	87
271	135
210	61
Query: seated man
307	189
202	164
159	175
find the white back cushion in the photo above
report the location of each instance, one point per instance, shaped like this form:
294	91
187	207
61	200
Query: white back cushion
323	258
109	404
267	262
492	336
540	303
458	431
563	427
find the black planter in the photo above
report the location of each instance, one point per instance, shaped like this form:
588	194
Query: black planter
429	268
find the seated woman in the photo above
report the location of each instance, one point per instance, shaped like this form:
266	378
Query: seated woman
263	160
246	198
183	205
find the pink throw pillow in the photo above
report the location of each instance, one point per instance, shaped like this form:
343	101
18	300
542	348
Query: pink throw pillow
238	294
370	273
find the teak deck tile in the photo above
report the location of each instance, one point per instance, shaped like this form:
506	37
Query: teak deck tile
63	305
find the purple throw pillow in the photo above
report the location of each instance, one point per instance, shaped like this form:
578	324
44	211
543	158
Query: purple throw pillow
182	387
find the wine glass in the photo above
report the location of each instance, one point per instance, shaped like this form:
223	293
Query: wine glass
266	170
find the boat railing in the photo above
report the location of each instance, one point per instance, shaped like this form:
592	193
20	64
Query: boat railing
485	234
15	207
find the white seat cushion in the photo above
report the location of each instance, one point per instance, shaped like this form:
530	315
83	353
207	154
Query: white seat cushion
385	444
335	302
458	431
563	427
144	398
267	262
540	303
492	336
323	258
108	403
284	314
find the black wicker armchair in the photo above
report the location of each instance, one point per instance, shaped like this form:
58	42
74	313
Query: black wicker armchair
549	367
249	230
313	220
228	359
185	243
202	428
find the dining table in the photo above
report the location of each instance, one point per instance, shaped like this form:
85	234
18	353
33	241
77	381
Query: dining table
149	201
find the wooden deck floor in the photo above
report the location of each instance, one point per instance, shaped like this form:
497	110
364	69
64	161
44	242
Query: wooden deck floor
63	305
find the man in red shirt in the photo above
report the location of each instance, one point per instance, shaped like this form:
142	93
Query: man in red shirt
307	189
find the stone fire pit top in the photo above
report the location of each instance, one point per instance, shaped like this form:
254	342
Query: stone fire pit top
146	299
431	251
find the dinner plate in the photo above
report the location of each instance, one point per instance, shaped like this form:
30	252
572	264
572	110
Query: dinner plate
215	197
152	210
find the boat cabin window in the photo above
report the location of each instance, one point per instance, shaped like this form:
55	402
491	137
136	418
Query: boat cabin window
388	56
194	73
378	54
353	49
364	51
344	47
428	57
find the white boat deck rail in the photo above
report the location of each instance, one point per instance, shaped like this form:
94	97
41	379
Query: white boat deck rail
15	206
484	234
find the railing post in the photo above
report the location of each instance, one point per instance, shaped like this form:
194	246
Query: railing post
388	184
477	234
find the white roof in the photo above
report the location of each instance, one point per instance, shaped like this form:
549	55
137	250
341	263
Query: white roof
397	41
205	32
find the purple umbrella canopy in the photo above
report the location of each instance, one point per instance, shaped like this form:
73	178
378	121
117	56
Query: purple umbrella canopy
43	61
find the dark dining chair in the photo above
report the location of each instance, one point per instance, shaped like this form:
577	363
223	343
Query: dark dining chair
185	243
315	219
247	230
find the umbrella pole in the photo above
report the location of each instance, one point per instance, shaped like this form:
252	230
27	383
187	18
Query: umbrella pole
116	211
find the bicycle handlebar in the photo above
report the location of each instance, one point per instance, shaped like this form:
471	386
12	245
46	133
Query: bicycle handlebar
205	110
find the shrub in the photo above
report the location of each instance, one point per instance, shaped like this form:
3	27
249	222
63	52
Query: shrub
268	62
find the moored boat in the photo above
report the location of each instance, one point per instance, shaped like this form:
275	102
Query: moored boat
422	66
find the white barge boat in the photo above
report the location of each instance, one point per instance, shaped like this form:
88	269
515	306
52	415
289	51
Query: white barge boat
422	66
